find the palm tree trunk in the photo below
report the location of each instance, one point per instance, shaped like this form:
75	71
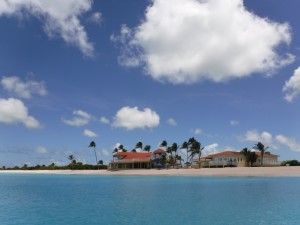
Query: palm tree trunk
187	158
96	158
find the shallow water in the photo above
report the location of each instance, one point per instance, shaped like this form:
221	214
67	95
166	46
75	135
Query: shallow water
90	199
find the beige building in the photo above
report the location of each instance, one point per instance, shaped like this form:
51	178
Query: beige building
234	159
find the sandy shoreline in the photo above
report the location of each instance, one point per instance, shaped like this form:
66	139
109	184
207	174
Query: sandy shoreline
227	172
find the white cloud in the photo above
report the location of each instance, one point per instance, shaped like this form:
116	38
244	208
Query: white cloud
96	18
81	118
210	149
171	122
104	120
289	142
130	56
234	122
198	131
59	18
264	137
274	143
292	86
89	133
133	118
14	111
255	136
23	89
41	150
185	41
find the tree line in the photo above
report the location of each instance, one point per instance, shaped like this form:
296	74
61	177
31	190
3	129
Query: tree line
193	148
170	156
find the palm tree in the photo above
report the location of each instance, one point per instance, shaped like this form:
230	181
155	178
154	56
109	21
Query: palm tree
147	148
164	144
188	145
93	144
71	158
121	147
73	161
139	145
170	158
163	159
174	149
245	153
178	158
262	148
185	145
196	149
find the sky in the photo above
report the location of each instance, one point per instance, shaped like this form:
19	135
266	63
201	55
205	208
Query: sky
118	72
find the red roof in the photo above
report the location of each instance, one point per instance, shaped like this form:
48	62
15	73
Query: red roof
226	153
134	155
159	151
231	153
266	154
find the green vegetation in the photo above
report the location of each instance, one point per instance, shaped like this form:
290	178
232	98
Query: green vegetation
293	162
250	156
77	166
193	148
93	145
73	165
263	149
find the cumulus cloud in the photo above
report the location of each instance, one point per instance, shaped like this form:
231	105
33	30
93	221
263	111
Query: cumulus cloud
185	41
291	143
276	143
133	118
255	136
59	18
41	150
89	133
210	149
14	111
96	18
80	118
292	86
23	89
104	120
171	122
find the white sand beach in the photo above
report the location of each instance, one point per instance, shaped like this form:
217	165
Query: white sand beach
227	172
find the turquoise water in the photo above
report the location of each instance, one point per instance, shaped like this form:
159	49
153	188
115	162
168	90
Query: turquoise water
88	200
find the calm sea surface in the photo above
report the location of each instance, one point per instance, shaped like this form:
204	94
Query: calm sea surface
87	200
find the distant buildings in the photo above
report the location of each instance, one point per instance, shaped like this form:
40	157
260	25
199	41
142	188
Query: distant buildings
131	160
138	160
234	159
157	159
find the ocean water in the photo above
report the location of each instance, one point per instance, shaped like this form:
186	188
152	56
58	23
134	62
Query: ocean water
90	199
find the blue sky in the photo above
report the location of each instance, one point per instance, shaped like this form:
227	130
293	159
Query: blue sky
72	72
